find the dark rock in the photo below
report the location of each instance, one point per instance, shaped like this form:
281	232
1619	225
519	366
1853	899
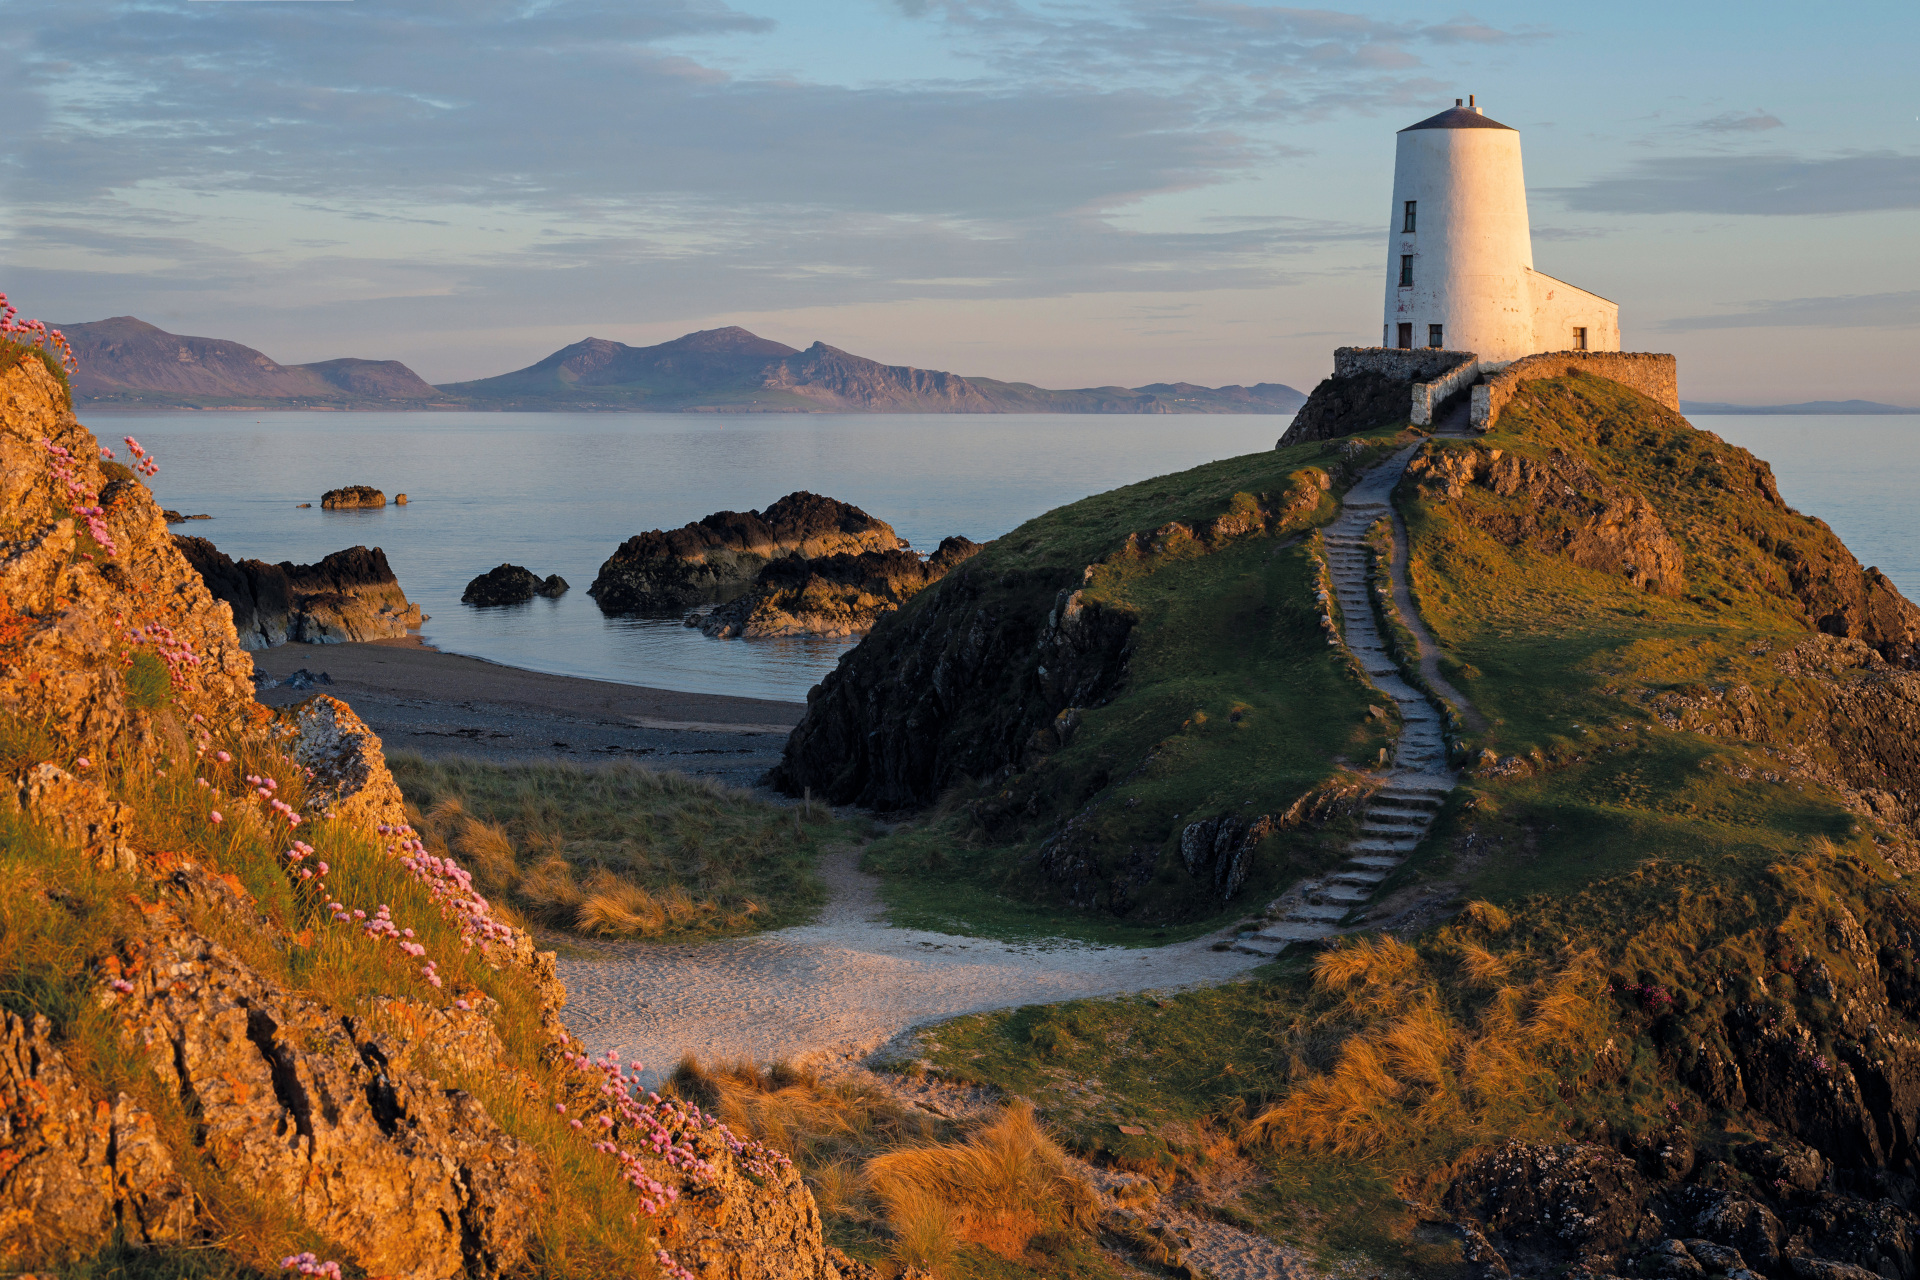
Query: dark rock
724	552
1715	1257
838	595
1547	1207
349	595
174	517
1671	1259
1742	1223
351	497
1877	1236
511	584
1340	406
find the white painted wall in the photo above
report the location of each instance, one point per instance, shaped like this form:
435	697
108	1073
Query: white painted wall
1472	251
1558	308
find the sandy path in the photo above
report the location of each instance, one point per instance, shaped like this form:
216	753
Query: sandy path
845	985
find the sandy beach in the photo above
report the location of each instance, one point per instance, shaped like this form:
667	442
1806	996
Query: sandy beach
421	700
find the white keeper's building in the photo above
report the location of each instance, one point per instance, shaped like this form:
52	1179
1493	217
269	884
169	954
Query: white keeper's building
1460	255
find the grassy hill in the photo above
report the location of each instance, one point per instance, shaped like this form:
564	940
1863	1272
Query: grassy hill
1674	998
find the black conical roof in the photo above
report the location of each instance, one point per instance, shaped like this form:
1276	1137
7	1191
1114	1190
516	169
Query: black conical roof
1457	118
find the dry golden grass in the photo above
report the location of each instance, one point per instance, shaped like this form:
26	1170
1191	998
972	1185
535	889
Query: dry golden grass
619	850
1411	1058
895	1174
1003	1185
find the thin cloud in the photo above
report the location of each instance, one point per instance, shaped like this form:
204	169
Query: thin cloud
1846	311
1755	121
1766	185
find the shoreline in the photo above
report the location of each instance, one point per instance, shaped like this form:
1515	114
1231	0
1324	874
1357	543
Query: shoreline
424	701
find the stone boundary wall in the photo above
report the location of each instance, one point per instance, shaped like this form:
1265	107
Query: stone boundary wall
1412	364
1652	374
1431	399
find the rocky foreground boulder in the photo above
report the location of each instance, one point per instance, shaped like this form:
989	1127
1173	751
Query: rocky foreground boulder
511	584
243	1010
841	595
351	595
718	556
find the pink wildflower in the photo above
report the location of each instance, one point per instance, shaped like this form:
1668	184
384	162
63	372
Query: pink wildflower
215	816
83	763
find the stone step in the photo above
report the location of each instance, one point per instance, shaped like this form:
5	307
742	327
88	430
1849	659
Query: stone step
1392	829
1378	844
1254	947
1344	893
1399	817
1409	799
1359	877
1322	915
1293	931
1379	861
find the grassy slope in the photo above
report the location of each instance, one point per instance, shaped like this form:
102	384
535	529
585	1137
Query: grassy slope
1231	685
620	850
1633	851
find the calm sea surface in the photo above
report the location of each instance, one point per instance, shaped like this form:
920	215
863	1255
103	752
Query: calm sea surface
558	492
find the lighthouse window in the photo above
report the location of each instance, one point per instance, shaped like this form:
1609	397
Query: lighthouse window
1433	336
1579	339
1409	222
1406	335
1406	270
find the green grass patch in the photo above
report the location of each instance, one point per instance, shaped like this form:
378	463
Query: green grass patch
1233	705
620	850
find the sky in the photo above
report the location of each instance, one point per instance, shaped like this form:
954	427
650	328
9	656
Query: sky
1066	192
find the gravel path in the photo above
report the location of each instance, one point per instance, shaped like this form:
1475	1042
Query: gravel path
840	988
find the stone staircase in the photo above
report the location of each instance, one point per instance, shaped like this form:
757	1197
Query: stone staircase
1414	786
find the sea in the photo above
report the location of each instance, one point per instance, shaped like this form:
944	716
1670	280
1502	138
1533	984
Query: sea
558	492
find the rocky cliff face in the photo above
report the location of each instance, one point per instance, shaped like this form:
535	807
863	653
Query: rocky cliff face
839	595
193	1026
351	595
723	553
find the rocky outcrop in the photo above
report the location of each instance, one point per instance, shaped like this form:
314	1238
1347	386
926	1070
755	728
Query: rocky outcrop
1562	507
841	595
75	1170
351	595
722	554
353	497
1340	406
511	584
204	1044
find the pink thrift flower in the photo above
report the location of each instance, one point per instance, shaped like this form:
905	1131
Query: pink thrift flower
215	816
222	757
83	763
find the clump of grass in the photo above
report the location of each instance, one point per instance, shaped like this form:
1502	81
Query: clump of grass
892	1180
620	850
1002	1186
149	686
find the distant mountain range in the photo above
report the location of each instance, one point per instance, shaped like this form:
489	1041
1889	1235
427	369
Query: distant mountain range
127	362
1707	407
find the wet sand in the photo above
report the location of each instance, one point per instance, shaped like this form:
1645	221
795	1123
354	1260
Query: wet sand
433	704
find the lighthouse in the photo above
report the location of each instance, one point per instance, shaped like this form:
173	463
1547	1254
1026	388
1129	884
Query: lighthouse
1460	272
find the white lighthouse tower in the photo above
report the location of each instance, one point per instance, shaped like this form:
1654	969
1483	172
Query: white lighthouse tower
1460	256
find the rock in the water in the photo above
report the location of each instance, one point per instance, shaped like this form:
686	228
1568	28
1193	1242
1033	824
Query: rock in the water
174	517
349	595
840	595
670	569
511	584
354	495
399	499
